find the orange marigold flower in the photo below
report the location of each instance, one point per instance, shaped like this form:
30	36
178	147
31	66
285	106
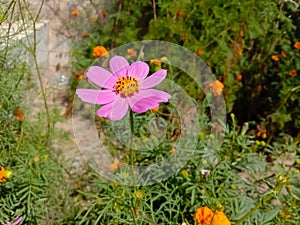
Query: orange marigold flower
180	13
99	51
293	73
200	52
275	57
84	35
155	62
297	45
239	77
284	54
155	109
80	76
131	52
19	114
205	216
75	12
104	13
2	178
216	87
4	174
114	166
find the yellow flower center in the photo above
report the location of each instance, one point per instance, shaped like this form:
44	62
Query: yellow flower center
127	86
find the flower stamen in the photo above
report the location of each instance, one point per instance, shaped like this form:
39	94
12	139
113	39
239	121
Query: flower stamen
127	86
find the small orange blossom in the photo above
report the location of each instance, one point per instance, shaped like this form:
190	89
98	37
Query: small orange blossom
114	166
216	87
293	73
284	54
200	52
275	57
297	45
75	12
239	77
205	216
131	52
99	51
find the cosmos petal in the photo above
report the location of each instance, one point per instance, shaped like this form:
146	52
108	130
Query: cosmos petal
115	110
138	69
154	93
116	63
153	80
101	77
96	96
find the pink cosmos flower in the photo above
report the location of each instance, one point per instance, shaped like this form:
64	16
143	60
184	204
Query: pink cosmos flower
126	86
17	221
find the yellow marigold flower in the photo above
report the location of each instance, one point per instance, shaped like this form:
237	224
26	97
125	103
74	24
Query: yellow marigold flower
216	87
4	174
284	54
275	57
46	156
139	194
293	73
99	51
36	158
205	216
131	52
185	174
75	12
114	166
297	45
93	19
7	173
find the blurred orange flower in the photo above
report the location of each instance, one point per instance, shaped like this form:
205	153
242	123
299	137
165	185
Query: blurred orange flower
19	114
180	13
84	35
114	166
200	52
131	52
104	13
99	51
155	109
80	76
293	73
216	87
205	216
2	178
297	45
75	12
239	77
155	62
284	54
275	57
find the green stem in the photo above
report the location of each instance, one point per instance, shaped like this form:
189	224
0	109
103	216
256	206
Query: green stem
266	198
131	139
131	156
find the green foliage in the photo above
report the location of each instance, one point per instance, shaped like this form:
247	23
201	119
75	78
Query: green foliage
249	172
237	38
